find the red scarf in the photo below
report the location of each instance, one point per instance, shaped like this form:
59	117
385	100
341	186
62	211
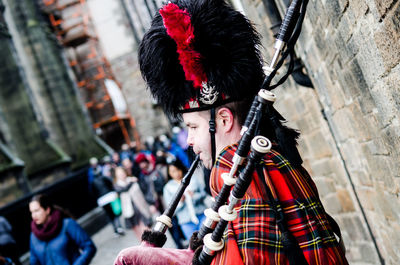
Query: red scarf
51	228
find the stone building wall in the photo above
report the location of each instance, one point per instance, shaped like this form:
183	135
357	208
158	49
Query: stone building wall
117	39
350	122
150	119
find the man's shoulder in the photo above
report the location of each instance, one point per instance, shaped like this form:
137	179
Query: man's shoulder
224	160
276	159
272	158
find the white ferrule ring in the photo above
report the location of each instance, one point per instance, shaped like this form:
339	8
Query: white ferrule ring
165	220
230	181
225	214
267	95
261	144
211	244
213	215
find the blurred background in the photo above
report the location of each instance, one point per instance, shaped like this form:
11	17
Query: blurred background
71	89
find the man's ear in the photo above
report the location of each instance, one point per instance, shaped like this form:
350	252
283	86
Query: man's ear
224	119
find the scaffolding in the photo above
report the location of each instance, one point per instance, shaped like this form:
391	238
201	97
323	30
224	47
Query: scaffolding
100	91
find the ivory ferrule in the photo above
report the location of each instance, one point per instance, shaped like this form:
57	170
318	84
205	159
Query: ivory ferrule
163	223
210	246
227	214
266	95
228	179
212	218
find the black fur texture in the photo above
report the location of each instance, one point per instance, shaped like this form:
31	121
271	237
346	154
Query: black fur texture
227	42
157	239
194	242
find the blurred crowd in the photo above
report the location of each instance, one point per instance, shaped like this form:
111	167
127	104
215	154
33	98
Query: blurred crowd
133	187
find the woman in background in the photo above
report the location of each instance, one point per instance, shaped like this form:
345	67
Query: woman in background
135	209
189	211
56	238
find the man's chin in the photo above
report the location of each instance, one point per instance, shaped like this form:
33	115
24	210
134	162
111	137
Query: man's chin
208	167
207	164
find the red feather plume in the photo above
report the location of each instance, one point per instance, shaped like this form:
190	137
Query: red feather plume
180	29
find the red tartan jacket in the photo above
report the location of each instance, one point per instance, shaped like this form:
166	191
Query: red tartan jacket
254	238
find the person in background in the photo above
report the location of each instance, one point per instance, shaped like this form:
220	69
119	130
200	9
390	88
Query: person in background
94	170
145	180
8	246
130	168
133	204
180	136
106	166
125	152
160	178
102	188
132	147
191	207
56	238
115	159
174	149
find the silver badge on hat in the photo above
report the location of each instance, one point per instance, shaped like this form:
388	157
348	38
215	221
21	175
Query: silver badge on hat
208	94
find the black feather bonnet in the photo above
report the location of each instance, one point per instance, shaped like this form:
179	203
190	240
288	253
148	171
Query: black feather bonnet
200	54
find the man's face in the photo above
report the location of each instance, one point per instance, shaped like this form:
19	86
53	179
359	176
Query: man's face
199	136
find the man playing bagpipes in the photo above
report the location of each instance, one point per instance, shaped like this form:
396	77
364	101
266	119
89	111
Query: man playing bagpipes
201	62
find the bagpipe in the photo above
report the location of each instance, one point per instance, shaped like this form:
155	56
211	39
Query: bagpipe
251	148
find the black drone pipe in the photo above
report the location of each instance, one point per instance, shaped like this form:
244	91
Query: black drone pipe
157	235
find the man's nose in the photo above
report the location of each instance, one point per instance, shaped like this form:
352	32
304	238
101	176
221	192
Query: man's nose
189	139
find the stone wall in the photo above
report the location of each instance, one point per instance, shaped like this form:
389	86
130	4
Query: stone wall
118	42
150	119
350	122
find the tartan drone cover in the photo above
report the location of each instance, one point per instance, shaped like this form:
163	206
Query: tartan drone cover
254	238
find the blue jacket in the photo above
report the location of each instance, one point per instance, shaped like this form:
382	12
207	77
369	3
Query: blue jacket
65	248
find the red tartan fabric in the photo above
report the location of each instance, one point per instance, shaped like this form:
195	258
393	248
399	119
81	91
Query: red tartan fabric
253	238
